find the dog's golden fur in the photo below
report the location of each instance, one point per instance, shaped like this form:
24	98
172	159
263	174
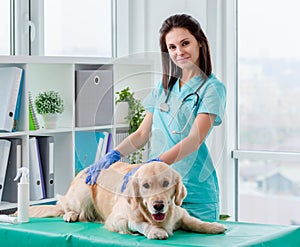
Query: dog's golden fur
150	204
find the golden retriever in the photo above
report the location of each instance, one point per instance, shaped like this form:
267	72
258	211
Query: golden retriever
150	204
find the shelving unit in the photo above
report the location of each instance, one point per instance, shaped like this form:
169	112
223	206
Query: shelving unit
58	73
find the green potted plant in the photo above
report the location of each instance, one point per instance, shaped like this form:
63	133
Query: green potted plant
135	116
49	104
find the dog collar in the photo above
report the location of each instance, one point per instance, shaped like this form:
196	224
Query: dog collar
127	176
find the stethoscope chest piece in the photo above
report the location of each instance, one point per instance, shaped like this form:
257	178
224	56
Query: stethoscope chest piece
164	107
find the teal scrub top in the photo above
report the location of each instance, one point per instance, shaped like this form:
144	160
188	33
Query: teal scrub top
197	169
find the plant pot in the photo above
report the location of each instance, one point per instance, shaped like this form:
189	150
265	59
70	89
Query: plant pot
121	113
50	120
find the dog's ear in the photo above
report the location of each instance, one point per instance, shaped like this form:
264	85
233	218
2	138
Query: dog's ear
180	191
133	193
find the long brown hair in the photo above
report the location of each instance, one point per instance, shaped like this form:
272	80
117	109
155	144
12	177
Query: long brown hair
171	71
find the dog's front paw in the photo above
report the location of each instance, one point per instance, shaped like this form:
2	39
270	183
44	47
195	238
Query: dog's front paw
216	228
157	233
122	226
70	216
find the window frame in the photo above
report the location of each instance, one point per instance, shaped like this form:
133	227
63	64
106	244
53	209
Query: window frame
230	30
27	27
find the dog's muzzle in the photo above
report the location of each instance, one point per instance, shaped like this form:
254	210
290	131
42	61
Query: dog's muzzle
159	214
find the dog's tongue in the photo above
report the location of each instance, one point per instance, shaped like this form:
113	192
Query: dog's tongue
158	217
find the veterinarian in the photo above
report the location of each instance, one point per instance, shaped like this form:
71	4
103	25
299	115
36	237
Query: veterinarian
180	113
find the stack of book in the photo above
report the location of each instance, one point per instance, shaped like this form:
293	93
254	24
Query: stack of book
33	121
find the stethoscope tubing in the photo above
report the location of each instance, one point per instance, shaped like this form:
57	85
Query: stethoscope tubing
164	107
178	109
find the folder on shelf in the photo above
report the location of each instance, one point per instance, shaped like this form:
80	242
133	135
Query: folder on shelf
4	154
94	97
37	185
18	104
10	192
103	145
10	78
86	148
99	149
33	121
109	142
46	147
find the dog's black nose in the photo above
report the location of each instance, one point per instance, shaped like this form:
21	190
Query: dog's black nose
158	205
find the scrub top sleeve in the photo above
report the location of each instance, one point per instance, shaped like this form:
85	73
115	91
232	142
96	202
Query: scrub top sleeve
151	99
214	101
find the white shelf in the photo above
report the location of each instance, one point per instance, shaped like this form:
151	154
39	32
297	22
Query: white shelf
12	134
129	60
58	73
103	127
53	60
9	205
50	131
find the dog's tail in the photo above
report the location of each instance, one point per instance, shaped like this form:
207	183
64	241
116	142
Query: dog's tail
44	211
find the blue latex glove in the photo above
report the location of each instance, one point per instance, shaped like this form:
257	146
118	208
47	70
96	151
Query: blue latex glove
154	159
127	176
105	162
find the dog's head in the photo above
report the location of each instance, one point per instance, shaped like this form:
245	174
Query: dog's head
157	187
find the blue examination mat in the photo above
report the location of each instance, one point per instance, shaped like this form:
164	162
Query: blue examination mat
55	232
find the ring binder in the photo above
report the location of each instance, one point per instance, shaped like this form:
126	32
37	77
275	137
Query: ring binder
10	80
94	97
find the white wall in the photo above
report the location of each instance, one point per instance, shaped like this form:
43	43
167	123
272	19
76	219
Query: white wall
146	17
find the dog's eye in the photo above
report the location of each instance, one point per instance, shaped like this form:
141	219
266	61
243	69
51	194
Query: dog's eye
165	183
146	185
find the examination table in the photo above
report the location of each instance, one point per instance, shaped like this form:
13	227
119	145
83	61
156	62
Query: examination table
55	232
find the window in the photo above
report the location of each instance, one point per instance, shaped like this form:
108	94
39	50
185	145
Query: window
57	27
268	111
78	28
5	27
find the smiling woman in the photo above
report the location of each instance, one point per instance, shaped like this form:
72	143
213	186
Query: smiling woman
183	49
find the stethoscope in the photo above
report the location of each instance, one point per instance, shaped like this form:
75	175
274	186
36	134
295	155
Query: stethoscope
164	107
